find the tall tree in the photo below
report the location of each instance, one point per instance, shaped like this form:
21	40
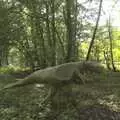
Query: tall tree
4	33
53	33
111	45
71	29
95	30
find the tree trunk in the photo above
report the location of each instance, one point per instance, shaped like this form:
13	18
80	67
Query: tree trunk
4	56
111	46
107	60
53	33
94	33
62	47
70	33
48	32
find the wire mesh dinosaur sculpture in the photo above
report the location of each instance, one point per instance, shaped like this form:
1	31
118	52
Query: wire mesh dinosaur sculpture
57	76
64	73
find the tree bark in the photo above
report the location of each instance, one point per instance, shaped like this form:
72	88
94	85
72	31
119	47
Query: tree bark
111	46
94	33
107	60
71	34
53	33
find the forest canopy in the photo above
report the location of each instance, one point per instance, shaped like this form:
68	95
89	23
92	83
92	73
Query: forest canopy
43	33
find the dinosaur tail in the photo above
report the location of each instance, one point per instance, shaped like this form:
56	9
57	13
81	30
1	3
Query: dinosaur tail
18	83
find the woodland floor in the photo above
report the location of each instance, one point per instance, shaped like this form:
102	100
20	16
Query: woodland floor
94	101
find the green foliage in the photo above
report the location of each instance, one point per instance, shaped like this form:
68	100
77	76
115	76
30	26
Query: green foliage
35	33
12	69
16	58
8	69
39	31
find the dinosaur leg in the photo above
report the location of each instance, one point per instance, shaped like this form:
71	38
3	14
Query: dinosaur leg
50	94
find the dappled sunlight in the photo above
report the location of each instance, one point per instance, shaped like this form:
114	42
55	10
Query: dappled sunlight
111	101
